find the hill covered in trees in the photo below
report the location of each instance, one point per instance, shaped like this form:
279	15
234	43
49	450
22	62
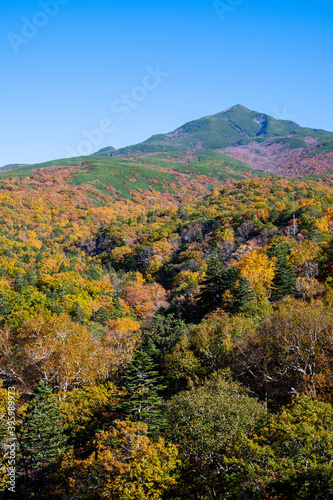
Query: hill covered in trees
166	329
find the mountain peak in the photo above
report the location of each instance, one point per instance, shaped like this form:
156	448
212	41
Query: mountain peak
236	107
235	126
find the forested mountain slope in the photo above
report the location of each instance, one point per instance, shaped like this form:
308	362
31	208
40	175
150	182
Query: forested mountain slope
98	291
166	329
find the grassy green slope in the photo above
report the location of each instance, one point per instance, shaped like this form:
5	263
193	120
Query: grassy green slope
121	175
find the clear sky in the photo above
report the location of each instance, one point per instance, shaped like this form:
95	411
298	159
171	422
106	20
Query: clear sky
79	75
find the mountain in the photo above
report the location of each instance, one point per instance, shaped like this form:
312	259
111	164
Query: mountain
234	144
234	126
114	270
261	141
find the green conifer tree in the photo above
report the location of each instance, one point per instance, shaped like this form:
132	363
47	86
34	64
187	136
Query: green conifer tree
217	282
20	282
142	402
285	275
243	294
162	335
41	439
4	306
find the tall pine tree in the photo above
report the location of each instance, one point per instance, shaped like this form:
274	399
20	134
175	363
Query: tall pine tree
162	335
142	402
41	438
218	280
285	275
243	294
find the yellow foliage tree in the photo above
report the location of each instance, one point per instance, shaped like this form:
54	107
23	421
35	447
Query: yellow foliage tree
51	348
81	408
259	271
126	465
305	251
120	341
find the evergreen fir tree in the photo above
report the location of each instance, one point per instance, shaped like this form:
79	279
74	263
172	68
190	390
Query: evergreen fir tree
217	282
284	279
163	335
78	314
142	385
41	439
62	268
243	294
30	278
4	306
141	219
285	275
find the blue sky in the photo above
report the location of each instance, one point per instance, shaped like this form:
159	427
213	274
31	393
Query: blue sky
78	75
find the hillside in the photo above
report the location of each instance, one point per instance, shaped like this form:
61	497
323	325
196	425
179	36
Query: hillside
263	142
12	166
290	156
123	177
232	144
166	323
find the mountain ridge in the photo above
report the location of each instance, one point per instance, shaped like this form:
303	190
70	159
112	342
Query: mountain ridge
258	141
235	126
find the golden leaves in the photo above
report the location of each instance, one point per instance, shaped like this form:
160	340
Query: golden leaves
259	271
126	465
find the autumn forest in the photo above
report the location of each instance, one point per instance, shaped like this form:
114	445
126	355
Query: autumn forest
166	330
